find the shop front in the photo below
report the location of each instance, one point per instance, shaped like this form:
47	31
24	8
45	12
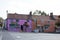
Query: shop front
20	26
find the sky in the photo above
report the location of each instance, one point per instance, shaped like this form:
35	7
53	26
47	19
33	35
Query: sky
25	6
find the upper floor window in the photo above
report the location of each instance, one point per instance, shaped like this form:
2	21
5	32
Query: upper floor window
17	20
42	20
11	20
35	20
48	21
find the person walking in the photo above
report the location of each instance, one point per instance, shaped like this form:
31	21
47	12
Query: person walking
26	26
21	27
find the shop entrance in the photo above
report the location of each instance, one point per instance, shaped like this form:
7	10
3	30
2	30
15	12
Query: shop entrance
25	26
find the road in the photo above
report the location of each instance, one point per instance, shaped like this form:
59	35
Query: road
6	35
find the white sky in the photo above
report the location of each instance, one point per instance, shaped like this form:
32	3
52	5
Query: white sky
24	6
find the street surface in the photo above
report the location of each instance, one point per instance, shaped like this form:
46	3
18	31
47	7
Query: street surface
6	35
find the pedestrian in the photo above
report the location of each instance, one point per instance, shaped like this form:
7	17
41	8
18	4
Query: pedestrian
25	25
22	27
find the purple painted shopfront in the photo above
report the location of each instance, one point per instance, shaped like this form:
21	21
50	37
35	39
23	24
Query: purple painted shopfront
15	25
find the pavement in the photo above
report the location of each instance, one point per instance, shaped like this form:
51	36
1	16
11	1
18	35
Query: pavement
0	35
6	35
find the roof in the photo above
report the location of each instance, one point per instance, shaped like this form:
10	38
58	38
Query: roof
17	16
41	17
24	16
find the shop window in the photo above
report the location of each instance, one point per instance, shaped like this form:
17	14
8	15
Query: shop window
14	25
46	27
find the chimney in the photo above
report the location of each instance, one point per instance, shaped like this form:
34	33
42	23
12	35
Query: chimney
15	14
51	16
30	13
